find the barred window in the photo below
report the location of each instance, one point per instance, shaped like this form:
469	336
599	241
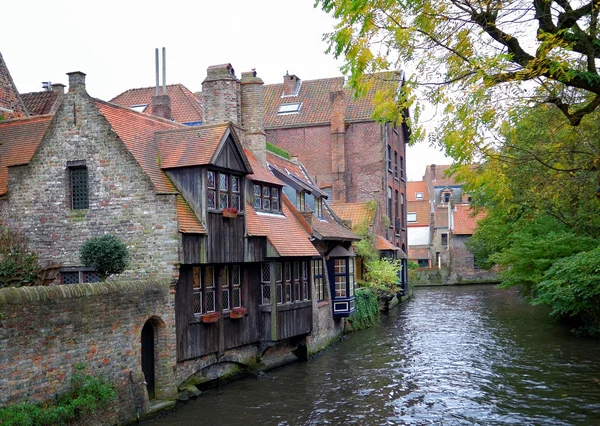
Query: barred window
305	281
79	188
209	282
297	293
76	275
288	282
197	306
279	279
225	291
266	283
236	284
318	279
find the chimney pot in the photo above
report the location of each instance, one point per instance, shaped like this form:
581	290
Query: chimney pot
291	85
58	87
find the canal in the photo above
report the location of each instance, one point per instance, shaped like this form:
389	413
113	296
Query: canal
450	356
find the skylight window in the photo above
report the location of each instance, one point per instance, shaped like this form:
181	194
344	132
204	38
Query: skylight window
289	108
419	195
139	108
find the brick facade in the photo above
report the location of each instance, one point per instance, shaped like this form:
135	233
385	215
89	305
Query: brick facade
11	104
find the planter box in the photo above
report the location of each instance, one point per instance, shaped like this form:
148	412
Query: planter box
212	317
229	214
237	313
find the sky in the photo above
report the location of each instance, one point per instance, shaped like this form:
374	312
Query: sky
113	42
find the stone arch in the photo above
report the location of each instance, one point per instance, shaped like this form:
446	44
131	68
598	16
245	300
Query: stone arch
155	359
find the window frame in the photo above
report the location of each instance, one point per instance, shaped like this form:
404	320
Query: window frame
74	168
300	201
83	275
202	288
408	215
273	199
318	273
319	207
219	190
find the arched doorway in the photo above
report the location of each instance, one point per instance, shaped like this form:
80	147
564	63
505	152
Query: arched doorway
148	357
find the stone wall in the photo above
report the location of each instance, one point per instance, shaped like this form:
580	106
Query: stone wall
325	329
46	331
122	200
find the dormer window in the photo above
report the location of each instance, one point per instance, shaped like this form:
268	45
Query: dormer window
266	198
318	207
225	192
292	108
300	201
446	196
139	107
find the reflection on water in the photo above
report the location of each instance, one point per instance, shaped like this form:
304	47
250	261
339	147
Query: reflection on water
452	355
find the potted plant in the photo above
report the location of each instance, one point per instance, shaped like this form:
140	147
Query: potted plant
211	317
237	313
230	212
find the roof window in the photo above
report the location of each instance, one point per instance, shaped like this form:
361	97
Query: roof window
289	108
139	107
419	195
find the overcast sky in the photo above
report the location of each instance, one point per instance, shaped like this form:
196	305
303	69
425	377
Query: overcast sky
113	42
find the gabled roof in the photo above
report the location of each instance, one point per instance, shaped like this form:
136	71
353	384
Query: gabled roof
314	96
39	103
412	187
19	139
357	213
464	220
197	146
284	232
383	244
185	106
11	104
259	172
188	221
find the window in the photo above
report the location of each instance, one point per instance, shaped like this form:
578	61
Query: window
297	290
291	280
279	281
402	215
423	263
225	291
305	282
288	282
266	198
318	278
300	203
446	196
139	107
411	217
444	239
197	306
204	289
236	284
224	192
340	277
401	173
318	207
419	195
79	187
389	203
396	164
266	283
389	158
351	281
78	275
209	292
396	207
292	108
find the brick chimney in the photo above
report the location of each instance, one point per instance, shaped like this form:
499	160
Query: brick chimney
338	144
291	85
432	168
221	94
252	107
161	106
76	81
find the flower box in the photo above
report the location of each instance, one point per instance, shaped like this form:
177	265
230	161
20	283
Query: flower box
211	317
230	213
237	313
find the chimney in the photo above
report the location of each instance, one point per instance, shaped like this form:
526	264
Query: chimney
58	87
338	144
291	85
161	104
76	81
432	172
221	94
252	102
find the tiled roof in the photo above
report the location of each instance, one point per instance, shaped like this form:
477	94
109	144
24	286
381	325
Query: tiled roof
417	186
383	244
185	106
195	146
187	220
259	172
464	221
285	233
137	131
39	103
314	95
356	213
19	140
423	211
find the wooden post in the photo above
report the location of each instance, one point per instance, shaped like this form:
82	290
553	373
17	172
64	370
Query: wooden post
273	302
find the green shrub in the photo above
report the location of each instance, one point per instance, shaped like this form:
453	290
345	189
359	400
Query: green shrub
107	254
367	310
18	266
87	394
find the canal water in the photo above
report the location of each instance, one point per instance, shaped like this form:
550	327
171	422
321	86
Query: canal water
450	356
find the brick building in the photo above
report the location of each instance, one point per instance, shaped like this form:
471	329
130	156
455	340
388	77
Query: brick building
418	218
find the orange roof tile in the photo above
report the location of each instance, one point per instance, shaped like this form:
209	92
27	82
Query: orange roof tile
383	244
356	213
188	221
191	146
316	103
260	173
185	106
137	130
39	103
464	220
412	187
285	233
19	139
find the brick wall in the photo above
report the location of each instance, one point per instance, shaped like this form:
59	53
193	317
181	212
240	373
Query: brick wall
122	200
46	331
221	95
10	101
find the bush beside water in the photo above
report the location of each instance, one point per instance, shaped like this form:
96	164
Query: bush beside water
367	311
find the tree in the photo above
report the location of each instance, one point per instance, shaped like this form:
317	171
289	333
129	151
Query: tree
107	254
473	60
18	265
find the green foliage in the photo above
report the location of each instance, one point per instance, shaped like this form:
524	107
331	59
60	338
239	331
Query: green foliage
367	310
107	254
382	274
572	287
18	266
87	394
276	150
471	60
